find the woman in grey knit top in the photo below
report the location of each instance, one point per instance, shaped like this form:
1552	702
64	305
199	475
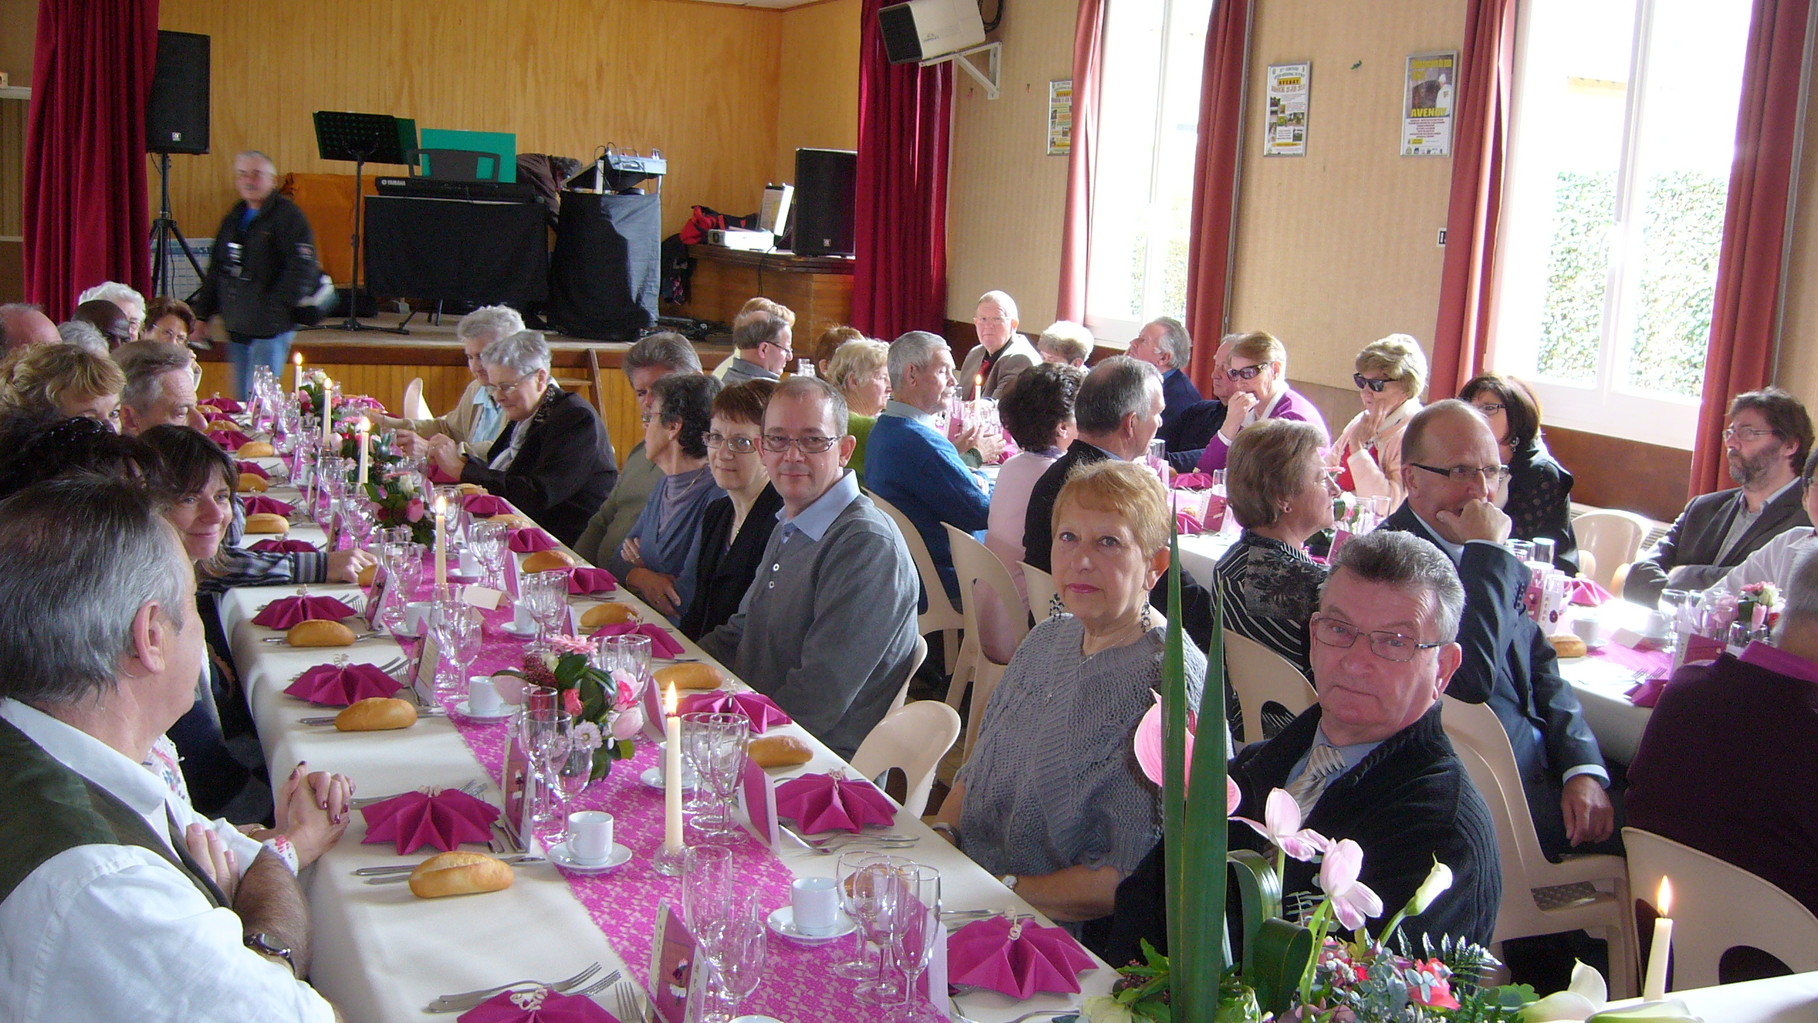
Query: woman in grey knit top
1052	800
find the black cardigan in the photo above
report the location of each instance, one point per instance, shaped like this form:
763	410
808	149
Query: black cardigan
562	473
725	572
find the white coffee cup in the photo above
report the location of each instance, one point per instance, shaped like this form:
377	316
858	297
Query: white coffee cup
1590	630
416	617
483	699
815	901
590	837
520	617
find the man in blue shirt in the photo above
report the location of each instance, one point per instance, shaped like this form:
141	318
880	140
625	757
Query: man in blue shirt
1165	344
911	464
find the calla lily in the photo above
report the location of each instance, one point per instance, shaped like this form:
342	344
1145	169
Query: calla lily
1281	826
1352	901
1438	880
1584	1000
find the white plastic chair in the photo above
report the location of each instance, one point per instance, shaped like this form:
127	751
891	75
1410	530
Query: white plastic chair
1042	591
1716	907
414	406
915	665
1589	892
1259	675
981	577
1612	538
913	739
941	616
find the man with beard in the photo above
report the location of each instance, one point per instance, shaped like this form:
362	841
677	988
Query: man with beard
1766	443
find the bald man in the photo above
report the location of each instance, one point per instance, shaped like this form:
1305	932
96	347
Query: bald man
22	325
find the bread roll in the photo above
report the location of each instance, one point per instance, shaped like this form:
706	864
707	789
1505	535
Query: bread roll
547	561
610	613
1568	645
688	675
367	573
267	522
319	632
256	449
459	873
376	714
470	489
253	483
779	751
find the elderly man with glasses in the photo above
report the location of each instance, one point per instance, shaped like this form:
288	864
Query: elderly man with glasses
827	628
763	347
1450	468
1370	762
1001	353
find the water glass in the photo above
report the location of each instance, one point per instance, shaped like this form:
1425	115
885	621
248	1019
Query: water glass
915	927
488	540
872	903
458	635
629	654
735	947
715	746
855	885
545	596
707	884
537	734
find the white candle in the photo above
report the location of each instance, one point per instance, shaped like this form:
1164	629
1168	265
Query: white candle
297	361
441	544
672	775
328	413
978	386
365	429
1662	950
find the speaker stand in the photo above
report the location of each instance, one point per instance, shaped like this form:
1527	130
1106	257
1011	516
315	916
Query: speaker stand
352	323
163	230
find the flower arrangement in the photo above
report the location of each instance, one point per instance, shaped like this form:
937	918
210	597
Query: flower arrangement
310	395
1763	595
605	704
398	500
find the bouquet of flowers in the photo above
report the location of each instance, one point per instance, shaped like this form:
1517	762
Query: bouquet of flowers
605	704
1762	595
398	500
311	395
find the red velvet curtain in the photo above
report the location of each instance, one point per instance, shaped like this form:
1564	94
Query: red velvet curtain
900	235
86	214
1744	316
1082	159
1480	138
1221	128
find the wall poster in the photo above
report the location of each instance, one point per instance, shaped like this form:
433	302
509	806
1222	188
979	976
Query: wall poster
1427	103
1285	126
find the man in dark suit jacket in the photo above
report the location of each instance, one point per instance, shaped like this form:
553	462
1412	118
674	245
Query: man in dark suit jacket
1165	344
1449	466
1766	444
1001	353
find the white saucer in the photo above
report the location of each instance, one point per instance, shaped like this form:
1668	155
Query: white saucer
502	715
511	628
653	777
782	921
558	855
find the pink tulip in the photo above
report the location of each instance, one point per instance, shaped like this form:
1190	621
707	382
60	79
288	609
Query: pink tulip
628	722
413	512
1281	817
1352	901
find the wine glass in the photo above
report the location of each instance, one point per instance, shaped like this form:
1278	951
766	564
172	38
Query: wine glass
537	734
915	927
715	747
873	904
735	948
629	654
854	889
545	596
488	542
1670	602
458	636
707	883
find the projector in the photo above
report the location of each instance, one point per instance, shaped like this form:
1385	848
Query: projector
923	29
741	239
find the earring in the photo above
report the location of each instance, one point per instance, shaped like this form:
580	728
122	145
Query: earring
1145	621
1055	607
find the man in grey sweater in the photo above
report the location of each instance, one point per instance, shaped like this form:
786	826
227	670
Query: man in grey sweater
827	628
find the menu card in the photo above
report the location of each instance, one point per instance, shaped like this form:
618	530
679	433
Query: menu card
677	989
757	800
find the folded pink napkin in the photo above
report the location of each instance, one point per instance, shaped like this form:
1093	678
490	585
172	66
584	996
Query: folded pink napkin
762	711
1587	592
824	802
255	468
229	438
436	475
662	644
288	611
485	505
537	1007
1193	481
530	539
284	547
585	580
224	404
258	503
1018	959
415	819
217	417
1646	694
1187	522
338	685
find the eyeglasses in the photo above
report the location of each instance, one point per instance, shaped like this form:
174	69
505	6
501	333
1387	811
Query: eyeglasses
739	445
788	352
1390	646
1375	385
1747	433
1247	373
646	417
1468	473
1489	408
499	389
175	337
807	445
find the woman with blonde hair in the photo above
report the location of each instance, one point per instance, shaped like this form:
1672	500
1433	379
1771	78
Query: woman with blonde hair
1390	375
1258	376
64	381
859	370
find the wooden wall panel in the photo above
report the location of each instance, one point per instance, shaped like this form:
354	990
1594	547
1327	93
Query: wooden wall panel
19	18
12	157
817	103
698	81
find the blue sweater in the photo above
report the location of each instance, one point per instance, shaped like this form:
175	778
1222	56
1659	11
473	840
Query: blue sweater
910	465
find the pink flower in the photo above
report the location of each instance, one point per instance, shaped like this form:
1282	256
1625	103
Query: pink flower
1428	984
572	644
1149	750
1352	901
571	701
413	511
1281	816
627	723
626	694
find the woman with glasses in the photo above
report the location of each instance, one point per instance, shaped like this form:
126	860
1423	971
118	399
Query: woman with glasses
736	527
169	320
1259	391
1281	489
1538	498
553	460
662	546
1390	374
859	370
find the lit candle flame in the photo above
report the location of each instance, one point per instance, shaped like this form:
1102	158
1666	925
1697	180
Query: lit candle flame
365	425
297	358
1664	898
441	506
669	701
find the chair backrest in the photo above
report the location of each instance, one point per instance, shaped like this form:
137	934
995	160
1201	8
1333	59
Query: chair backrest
1717	906
1042	591
414	406
989	602
1483	747
913	738
915	665
941	614
1259	675
1613	539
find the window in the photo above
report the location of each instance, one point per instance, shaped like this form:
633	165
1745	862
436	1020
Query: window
1143	192
1624	126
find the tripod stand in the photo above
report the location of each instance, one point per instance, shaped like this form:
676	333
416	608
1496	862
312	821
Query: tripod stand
162	231
359	137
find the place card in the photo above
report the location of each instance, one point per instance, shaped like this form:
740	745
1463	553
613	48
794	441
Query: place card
677	989
515	782
757	801
375	598
423	672
482	597
653	713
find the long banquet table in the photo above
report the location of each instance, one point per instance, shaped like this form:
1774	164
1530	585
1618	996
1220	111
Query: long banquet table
382	954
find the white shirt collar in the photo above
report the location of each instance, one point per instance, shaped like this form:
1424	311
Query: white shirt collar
94	760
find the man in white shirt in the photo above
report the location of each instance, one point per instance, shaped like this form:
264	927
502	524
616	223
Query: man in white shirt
117	900
476	418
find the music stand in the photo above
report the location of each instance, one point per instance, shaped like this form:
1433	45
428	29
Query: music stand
362	138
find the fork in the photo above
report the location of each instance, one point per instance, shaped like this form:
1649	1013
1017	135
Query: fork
960	1017
465	1000
629	1010
472	788
403	875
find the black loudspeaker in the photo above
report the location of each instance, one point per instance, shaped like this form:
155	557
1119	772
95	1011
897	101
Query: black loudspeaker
176	115
607	264
823	213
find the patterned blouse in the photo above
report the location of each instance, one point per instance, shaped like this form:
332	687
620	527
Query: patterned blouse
1270	593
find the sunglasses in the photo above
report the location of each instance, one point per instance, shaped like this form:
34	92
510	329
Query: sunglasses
1375	385
1247	373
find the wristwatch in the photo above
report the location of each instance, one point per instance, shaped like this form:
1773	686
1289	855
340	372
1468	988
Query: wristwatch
271	947
1008	881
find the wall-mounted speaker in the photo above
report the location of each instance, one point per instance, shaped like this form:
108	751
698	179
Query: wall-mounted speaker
176	115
